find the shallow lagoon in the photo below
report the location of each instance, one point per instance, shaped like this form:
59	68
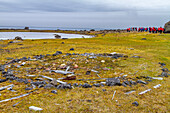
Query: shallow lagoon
38	35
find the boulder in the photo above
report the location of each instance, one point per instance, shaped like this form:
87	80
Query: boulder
57	36
167	27
26	28
18	38
112	82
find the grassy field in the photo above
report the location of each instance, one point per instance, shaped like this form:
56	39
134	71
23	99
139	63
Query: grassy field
151	51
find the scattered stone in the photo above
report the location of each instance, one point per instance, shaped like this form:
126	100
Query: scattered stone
103	90
88	72
28	88
112	81
48	86
136	57
143	39
57	36
96	85
123	84
72	49
89	100
85	85
18	38
54	91
162	64
135	103
133	82
140	81
75	84
9	58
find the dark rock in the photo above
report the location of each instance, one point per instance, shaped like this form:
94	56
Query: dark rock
40	86
37	83
57	53
9	58
140	81
26	28
2	67
3	80
48	86
57	36
135	103
123	84
102	84
96	85
85	85
89	100
18	38
72	49
164	74
88	72
80	85
135	56
112	81
149	80
68	54
162	64
143	39
103	90
75	84
165	70
54	91
127	82
64	86
28	88
133	82
4	72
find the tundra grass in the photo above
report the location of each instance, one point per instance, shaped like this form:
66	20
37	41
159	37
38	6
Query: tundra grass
151	51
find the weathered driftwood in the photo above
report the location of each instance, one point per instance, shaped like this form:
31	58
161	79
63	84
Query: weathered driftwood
17	97
35	108
62	72
68	68
157	86
144	91
129	92
91	79
31	75
49	78
157	78
2	88
114	94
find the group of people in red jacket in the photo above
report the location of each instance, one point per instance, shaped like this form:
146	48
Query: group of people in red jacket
150	29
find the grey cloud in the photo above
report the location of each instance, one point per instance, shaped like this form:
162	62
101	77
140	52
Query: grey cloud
60	6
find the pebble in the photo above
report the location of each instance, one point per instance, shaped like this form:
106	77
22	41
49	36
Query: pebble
54	91
135	103
103	61
72	49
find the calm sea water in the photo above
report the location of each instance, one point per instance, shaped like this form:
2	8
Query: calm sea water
38	35
48	28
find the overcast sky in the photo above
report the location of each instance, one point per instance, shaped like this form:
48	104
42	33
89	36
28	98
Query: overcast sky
84	13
